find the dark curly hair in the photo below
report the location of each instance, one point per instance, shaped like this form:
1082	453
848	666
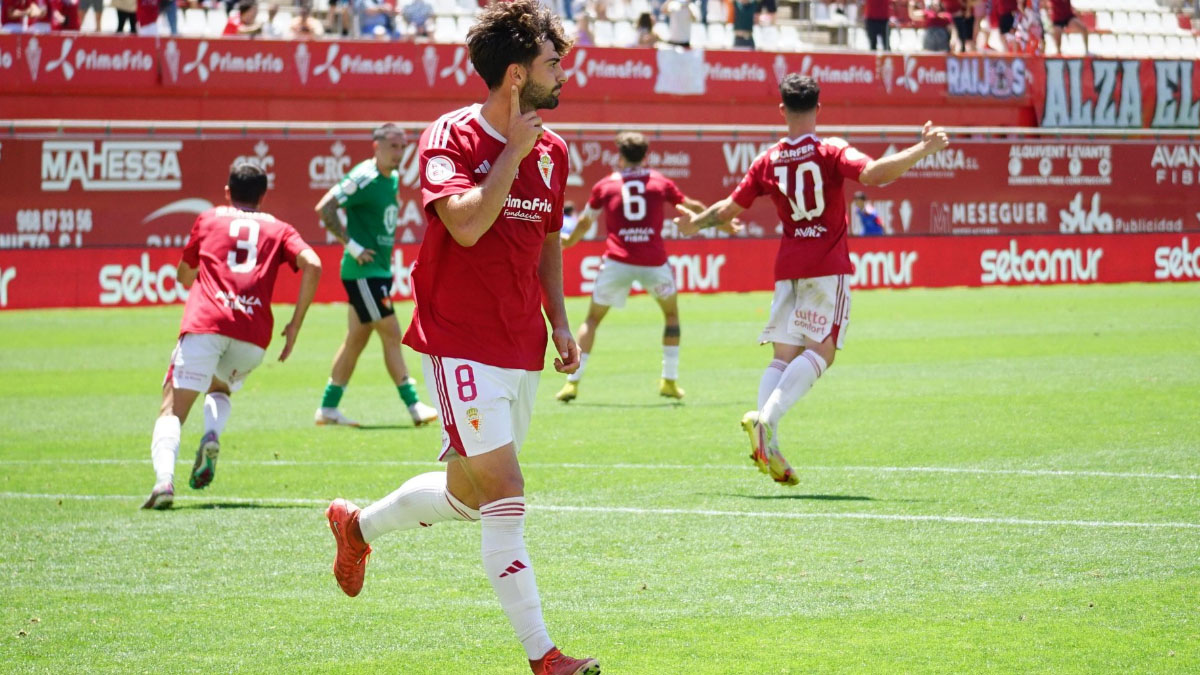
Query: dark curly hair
632	146
511	32
800	93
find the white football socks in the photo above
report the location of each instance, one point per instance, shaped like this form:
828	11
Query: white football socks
508	568
770	380
216	412
796	381
422	501
575	376
164	448
670	370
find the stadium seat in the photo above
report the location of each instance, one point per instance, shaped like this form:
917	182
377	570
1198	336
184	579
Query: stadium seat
857	39
445	29
766	38
1104	21
1141	46
1125	46
464	23
108	20
699	35
1108	45
191	22
215	23
1135	24
602	32
907	40
1157	46
719	36
1173	47
624	34
790	40
1094	44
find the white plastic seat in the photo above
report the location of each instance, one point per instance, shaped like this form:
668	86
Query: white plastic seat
1104	21
602	32
790	40
624	34
1072	44
766	38
719	36
1141	46
192	22
1125	46
1108	45
445	29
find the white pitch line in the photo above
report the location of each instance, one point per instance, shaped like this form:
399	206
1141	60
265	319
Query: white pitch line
1065	473
969	520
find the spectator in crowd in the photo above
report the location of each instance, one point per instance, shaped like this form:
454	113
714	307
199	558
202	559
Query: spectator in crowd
583	30
876	16
1063	17
168	9
147	17
244	20
20	15
305	26
97	9
936	21
1028	35
745	14
375	18
680	15
645	31
64	14
983	27
126	14
864	222
1003	19
963	15
417	15
269	28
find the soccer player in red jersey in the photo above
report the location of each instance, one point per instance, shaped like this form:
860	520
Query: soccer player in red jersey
229	266
632	200
804	175
492	184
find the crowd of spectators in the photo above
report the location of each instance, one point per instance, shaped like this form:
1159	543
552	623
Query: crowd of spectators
973	25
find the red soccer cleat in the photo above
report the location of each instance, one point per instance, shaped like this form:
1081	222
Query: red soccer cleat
556	663
350	565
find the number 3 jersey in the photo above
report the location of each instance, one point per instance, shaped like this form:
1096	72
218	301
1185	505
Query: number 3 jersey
632	201
237	254
804	177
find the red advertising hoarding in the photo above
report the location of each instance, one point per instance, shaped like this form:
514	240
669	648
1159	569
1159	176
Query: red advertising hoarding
145	190
146	276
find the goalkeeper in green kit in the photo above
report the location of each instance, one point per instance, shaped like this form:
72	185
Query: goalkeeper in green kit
367	195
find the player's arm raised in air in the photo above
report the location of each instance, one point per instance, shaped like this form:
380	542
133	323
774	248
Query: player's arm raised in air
469	215
327	209
582	226
550	276
887	169
310	276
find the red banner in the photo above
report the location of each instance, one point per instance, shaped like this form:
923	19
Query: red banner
111	190
1127	93
141	276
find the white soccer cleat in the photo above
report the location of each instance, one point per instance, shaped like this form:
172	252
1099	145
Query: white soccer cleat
422	414
333	417
161	497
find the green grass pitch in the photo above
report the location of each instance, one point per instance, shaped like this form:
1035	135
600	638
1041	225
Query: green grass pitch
992	480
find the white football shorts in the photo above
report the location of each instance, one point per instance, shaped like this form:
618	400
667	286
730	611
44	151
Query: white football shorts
809	308
198	357
616	278
482	407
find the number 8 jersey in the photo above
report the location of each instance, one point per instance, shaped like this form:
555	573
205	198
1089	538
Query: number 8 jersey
237	254
804	177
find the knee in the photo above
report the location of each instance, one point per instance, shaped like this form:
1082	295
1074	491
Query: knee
502	487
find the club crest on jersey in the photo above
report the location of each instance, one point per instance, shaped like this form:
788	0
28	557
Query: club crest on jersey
546	167
439	169
476	422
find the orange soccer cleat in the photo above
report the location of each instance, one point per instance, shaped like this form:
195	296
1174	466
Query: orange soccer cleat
350	565
555	662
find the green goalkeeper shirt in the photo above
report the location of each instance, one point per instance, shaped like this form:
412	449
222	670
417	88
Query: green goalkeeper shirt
369	201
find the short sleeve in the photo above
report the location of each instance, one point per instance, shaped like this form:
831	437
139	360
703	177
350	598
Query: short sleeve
556	216
596	200
851	162
671	192
752	186
348	189
293	245
191	250
444	171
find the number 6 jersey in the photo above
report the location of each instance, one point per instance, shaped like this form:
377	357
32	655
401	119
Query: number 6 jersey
804	177
237	254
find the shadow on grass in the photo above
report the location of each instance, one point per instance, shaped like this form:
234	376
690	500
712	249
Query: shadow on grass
215	506
660	404
819	498
385	427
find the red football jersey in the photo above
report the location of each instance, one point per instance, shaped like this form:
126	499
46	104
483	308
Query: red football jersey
877	9
12	6
804	177
632	201
238	254
1061	11
484	303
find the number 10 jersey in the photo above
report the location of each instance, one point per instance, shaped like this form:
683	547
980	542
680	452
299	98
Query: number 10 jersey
804	178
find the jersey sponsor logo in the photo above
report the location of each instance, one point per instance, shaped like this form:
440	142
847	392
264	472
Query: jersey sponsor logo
134	283
1117	90
7	274
263	159
206	64
784	155
848	75
238	303
439	169
71	61
1014	265
636	235
546	168
324	171
483	168
583	69
1170	262
1085	164
1176	164
810	321
883	268
529	210
987	77
810	232
134	166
